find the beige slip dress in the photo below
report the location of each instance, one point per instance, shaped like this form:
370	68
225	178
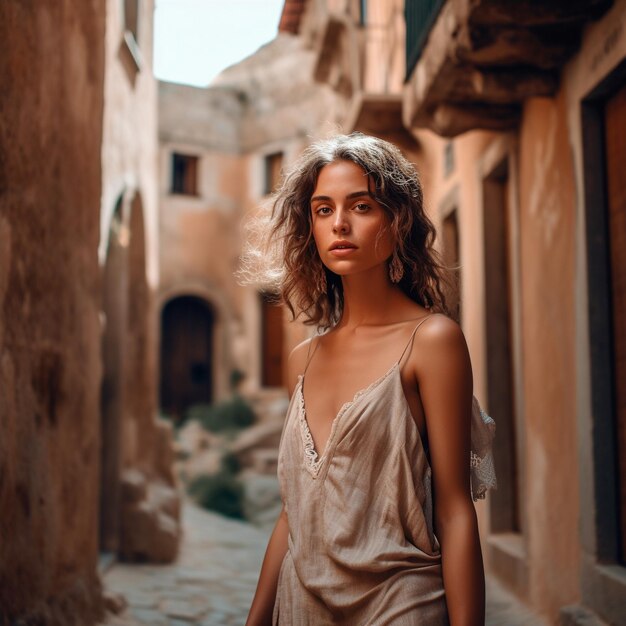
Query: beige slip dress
361	545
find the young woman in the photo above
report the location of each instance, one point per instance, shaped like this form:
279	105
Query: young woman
384	445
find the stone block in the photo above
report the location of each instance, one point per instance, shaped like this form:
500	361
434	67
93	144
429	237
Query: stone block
150	529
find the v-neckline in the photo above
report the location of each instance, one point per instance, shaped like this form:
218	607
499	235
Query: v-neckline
313	459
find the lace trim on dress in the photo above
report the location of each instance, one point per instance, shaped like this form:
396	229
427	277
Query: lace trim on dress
482	470
310	455
311	460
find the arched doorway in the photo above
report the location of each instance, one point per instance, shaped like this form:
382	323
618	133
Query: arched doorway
187	343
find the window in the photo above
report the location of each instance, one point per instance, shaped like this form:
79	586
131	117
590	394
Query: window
273	167
363	12
185	174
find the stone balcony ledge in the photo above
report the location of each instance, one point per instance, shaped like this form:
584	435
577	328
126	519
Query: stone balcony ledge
483	58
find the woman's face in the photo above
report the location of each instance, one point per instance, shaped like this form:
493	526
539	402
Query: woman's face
351	230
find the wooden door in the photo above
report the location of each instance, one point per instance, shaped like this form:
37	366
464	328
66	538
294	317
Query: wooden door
186	355
505	507
615	136
271	342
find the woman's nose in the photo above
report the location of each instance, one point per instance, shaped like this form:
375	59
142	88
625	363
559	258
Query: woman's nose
340	225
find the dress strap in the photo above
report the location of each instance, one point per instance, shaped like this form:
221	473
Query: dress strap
410	342
309	354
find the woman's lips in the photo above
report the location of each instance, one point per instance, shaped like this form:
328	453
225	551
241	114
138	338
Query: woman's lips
342	252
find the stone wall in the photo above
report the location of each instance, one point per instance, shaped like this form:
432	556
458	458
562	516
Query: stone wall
51	104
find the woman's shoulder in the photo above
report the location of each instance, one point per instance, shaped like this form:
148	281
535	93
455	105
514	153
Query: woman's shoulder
296	362
441	329
440	339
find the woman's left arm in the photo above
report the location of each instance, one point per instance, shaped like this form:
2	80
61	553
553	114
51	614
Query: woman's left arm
444	375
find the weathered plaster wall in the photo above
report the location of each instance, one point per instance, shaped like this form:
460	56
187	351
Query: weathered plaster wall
129	169
543	192
130	142
52	69
547	213
136	445
543	196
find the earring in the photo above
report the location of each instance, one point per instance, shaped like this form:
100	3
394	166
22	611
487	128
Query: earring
396	269
322	285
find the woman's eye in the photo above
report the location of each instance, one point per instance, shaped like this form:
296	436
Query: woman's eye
362	207
323	210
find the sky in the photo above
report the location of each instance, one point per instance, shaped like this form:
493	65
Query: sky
196	39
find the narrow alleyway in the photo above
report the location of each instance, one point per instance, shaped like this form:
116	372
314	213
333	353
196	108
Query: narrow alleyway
213	582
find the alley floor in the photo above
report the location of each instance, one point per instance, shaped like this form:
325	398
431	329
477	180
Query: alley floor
214	579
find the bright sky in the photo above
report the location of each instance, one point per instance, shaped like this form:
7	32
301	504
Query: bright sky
194	40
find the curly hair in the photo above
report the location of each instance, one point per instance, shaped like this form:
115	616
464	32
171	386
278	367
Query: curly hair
292	265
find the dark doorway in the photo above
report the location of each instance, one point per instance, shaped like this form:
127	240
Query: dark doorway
504	503
615	142
187	328
604	142
271	341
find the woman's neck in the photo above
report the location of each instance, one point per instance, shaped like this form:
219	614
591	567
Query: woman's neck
370	298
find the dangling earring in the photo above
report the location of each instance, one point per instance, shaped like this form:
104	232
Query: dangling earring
322	285
396	269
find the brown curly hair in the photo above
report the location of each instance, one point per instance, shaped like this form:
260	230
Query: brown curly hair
292	264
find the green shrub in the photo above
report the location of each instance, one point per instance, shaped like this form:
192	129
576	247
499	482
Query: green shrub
236	376
230	463
232	414
221	493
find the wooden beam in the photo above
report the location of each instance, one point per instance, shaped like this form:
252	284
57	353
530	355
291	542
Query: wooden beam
545	48
534	12
450	120
505	85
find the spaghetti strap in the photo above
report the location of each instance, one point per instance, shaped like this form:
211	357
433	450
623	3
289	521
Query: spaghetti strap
310	355
410	342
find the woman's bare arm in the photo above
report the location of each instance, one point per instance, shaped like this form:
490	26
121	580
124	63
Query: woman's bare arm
262	606
444	376
265	596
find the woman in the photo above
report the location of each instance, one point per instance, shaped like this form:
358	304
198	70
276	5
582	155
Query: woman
378	526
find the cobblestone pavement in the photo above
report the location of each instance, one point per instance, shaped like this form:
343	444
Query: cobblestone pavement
214	579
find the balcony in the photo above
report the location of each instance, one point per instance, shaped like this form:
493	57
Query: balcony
472	63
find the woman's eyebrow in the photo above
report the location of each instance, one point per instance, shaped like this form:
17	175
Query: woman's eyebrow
350	196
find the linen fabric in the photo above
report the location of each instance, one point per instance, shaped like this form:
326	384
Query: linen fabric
361	548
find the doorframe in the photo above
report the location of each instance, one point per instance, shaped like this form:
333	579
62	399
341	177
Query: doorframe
222	363
603	580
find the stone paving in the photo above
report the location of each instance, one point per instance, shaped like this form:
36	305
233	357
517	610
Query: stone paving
214	579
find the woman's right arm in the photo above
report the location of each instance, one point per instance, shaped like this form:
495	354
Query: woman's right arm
265	596
263	604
